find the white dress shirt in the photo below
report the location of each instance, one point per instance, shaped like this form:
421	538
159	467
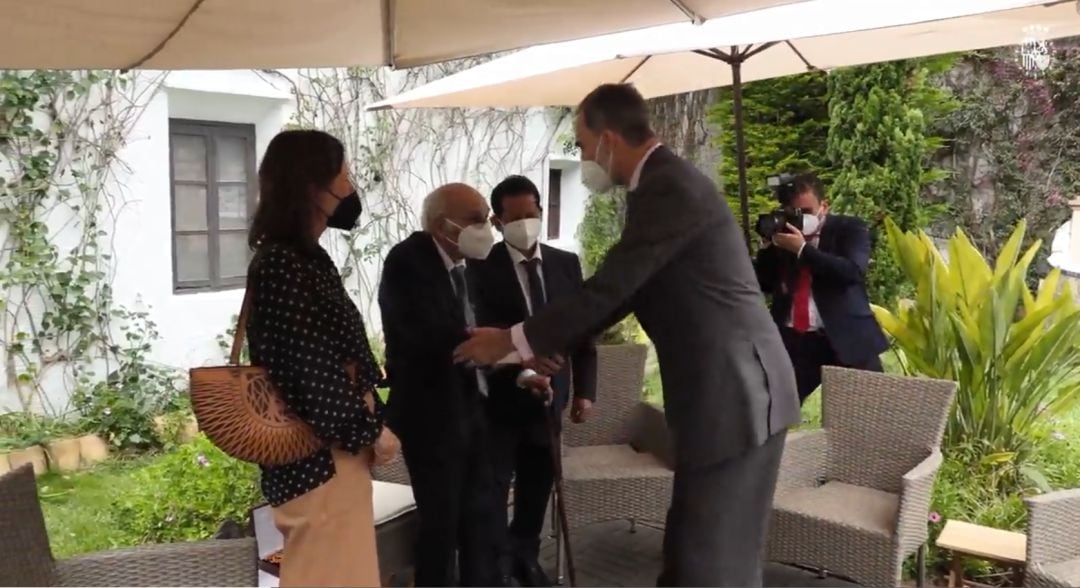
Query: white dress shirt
517	332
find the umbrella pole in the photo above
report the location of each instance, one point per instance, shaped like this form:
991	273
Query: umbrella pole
740	141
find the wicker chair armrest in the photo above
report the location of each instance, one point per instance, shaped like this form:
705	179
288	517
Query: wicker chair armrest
1053	519
217	562
651	435
805	461
916	492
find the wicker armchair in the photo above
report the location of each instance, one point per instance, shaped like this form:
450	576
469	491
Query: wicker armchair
1053	539
28	560
853	498
619	464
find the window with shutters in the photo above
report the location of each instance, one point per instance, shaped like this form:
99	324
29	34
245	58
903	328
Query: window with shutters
214	187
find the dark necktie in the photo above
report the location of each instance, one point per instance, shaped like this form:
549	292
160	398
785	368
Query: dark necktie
461	290
536	286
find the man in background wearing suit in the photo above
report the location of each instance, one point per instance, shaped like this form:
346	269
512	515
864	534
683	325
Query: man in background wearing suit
435	405
682	268
816	278
520	277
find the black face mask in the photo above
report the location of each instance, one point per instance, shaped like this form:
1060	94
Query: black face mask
346	213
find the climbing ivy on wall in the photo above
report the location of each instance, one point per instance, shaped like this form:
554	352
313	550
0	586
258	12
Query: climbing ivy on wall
60	137
1015	149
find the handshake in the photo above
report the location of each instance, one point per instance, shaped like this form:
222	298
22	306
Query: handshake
488	346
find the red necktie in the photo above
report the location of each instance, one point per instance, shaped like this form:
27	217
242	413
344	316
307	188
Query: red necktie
800	300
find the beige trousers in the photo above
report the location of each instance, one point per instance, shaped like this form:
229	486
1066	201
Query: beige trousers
330	531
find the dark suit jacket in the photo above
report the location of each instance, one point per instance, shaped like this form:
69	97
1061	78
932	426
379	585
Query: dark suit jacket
501	303
682	267
837	266
433	401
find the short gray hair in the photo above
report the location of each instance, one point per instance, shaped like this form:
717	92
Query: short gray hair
433	209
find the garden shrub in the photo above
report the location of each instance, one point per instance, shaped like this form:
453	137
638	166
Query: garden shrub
187	494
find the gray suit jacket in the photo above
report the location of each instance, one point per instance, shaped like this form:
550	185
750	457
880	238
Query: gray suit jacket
681	266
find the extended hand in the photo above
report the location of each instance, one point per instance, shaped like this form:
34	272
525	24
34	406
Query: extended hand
386	446
485	346
791	239
547	366
579	413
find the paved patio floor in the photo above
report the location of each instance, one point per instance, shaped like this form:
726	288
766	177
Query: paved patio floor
608	554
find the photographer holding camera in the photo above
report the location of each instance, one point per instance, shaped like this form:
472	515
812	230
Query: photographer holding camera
814	264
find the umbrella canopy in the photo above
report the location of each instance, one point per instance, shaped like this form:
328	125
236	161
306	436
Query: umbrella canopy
821	34
242	34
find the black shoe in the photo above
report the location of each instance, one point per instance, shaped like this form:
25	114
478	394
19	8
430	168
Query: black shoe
530	574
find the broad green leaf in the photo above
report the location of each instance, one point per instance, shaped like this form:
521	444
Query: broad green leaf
1007	256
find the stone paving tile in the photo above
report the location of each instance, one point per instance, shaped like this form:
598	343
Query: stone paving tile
608	554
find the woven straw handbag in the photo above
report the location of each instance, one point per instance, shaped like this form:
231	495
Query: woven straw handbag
242	413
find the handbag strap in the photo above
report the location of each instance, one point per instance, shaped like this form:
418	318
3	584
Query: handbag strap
245	311
241	326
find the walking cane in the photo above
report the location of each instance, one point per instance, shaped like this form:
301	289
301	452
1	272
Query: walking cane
560	505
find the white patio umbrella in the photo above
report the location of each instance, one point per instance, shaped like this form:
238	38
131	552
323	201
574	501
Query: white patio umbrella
784	40
228	34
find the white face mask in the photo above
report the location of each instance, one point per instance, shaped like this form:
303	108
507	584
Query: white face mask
523	233
595	177
474	241
810	224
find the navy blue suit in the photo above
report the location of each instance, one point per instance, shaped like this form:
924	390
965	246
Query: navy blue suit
851	336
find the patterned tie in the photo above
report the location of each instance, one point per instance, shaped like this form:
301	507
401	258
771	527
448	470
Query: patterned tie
800	300
537	299
461	290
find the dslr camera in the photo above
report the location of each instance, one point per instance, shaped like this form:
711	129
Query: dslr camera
774	222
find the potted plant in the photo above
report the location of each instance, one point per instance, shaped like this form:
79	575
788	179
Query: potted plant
176	427
26	453
92	449
63	448
24	433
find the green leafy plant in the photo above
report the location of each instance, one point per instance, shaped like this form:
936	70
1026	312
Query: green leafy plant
1014	354
123	406
786	123
882	138
605	215
186	495
22	429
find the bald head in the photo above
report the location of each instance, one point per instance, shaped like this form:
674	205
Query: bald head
461	205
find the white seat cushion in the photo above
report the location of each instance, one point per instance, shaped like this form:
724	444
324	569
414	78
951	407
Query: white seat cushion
391	501
844	504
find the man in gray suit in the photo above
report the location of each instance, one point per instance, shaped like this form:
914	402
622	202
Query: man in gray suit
729	390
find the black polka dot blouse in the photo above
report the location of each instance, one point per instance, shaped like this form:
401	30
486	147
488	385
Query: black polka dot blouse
304	329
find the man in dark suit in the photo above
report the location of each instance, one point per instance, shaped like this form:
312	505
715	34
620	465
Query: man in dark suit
682	268
519	278
816	279
436	406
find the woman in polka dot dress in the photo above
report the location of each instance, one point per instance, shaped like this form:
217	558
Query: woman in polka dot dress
310	337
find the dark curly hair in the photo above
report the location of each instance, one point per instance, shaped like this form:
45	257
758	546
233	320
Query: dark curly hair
295	165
